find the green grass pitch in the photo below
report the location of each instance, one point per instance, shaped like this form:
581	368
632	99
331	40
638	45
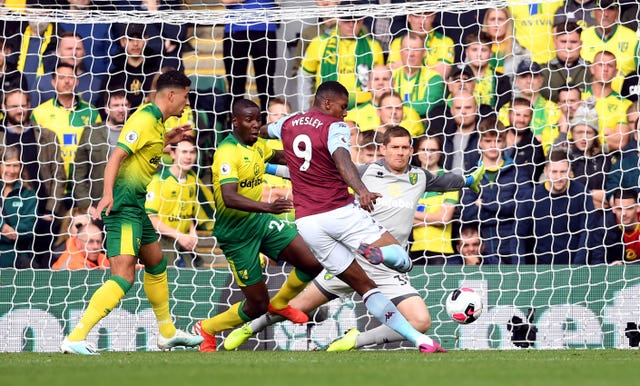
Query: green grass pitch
366	368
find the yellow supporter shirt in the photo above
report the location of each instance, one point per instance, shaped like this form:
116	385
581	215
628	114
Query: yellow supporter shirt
435	238
544	122
421	91
623	43
345	57
485	87
612	111
67	124
178	202
366	117
438	48
533	28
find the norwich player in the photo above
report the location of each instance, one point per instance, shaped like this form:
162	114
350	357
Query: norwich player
130	233
245	227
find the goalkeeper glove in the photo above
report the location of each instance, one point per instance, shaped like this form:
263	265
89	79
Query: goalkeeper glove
472	181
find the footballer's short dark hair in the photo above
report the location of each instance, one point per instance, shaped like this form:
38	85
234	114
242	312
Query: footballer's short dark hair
241	104
173	79
331	89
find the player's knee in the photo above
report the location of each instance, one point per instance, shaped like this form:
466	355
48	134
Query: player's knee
255	307
123	266
421	322
419	319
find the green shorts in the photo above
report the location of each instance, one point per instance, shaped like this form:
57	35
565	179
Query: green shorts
127	231
264	233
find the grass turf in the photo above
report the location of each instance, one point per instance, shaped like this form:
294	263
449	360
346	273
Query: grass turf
366	368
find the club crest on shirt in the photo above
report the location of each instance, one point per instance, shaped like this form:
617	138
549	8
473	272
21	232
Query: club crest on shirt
150	196
225	169
413	178
623	46
131	137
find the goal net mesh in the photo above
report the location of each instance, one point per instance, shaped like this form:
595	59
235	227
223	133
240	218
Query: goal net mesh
585	298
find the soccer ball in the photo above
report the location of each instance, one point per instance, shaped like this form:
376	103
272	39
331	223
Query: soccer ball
464	305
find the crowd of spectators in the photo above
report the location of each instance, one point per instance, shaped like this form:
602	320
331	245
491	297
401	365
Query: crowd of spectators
545	95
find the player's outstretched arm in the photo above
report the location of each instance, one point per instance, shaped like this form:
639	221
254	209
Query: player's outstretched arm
350	175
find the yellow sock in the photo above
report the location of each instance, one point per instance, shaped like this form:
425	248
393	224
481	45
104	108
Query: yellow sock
292	287
226	320
156	287
102	302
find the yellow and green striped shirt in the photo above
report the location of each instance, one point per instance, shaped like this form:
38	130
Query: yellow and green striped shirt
235	162
421	91
346	66
142	137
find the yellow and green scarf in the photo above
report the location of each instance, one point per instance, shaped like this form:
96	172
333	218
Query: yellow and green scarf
24	48
330	57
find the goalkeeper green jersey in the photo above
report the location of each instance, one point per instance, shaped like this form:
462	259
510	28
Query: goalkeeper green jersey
142	137
235	162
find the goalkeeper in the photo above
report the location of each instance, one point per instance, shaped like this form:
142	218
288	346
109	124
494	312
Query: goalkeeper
131	235
401	186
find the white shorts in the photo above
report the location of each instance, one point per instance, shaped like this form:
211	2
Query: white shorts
334	236
394	285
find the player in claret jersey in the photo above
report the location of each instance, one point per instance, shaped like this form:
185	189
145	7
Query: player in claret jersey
316	146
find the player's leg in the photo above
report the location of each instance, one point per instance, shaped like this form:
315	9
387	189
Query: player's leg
350	225
244	261
388	251
264	55
254	305
413	309
306	301
235	48
122	251
306	268
105	299
383	310
283	241
156	287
